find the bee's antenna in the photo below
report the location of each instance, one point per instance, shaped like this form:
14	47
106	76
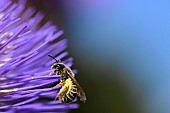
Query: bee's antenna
53	58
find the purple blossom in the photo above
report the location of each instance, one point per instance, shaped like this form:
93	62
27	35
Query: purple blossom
24	65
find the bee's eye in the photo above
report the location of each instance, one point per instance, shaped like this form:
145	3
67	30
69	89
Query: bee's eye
55	66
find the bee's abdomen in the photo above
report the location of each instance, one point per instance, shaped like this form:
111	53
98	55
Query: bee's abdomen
71	95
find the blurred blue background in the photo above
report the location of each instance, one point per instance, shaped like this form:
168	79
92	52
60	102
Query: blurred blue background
121	49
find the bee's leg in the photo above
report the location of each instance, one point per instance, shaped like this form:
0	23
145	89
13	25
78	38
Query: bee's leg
62	91
52	73
59	84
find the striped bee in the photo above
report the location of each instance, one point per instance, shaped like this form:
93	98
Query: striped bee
70	87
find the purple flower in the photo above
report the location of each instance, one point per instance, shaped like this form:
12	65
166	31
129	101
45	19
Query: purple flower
24	65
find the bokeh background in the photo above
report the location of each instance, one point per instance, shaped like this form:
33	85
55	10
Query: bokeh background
121	49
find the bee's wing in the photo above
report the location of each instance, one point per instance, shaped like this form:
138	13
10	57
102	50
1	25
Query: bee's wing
81	93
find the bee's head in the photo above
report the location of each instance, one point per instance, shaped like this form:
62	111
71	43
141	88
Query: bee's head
57	66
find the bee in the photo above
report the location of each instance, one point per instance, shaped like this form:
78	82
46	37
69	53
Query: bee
70	87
